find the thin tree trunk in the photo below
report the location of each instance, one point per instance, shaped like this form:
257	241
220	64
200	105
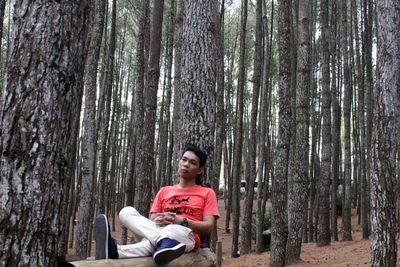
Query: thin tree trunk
89	131
324	218
108	85
335	124
368	99
347	236
238	136
176	116
144	169
263	160
248	207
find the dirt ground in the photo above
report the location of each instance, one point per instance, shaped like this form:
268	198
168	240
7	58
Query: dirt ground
338	254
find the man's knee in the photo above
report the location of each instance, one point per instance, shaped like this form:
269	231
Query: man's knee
126	212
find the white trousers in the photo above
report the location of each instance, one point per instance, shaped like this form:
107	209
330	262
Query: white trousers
146	228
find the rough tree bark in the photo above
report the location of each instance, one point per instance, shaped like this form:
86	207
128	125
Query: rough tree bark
144	169
248	207
198	76
89	130
347	236
238	135
325	180
279	184
298	197
384	137
43	90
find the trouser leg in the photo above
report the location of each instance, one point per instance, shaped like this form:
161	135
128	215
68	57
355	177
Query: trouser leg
180	233
139	225
141	249
146	228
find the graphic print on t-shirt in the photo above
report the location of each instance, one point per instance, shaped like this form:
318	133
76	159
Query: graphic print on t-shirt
180	205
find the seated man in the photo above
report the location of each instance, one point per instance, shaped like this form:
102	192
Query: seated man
179	214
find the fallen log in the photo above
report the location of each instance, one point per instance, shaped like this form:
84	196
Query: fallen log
201	258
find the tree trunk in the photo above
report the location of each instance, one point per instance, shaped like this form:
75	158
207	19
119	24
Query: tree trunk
346	114
264	135
198	77
238	135
279	184
325	180
176	115
89	131
107	88
368	9
248	207
297	198
137	118
335	123
144	170
2	9
164	164
42	97
384	138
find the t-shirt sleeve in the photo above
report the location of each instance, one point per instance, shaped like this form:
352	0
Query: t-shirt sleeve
211	205
157	205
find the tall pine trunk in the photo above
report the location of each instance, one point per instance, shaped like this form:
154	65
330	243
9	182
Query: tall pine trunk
298	188
347	236
324	192
248	207
42	97
279	183
89	130
144	171
385	137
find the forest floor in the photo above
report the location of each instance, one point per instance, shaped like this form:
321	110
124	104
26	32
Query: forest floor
338	254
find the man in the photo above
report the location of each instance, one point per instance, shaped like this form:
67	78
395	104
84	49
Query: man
179	214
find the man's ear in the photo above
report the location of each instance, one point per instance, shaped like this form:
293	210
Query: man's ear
201	171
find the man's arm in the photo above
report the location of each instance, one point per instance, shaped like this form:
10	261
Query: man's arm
203	227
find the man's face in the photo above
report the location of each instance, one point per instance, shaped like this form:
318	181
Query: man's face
189	166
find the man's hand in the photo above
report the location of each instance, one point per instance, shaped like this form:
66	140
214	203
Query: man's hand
166	218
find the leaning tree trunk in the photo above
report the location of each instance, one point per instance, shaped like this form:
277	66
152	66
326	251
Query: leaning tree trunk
384	137
43	90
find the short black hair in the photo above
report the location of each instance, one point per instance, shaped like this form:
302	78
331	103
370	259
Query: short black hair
198	152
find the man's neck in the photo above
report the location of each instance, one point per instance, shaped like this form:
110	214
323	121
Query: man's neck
183	184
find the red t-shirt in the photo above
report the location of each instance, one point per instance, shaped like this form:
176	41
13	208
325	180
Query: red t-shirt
193	203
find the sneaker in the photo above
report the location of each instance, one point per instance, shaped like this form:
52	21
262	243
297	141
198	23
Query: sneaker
106	248
167	250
